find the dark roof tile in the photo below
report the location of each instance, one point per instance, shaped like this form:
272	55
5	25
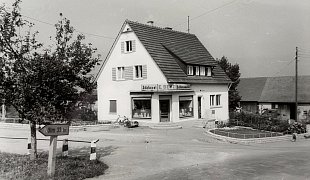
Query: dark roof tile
274	89
185	46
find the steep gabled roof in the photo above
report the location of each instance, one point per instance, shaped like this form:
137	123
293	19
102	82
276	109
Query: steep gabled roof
170	48
274	89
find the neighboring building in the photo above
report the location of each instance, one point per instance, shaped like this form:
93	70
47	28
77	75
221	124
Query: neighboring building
154	75
278	93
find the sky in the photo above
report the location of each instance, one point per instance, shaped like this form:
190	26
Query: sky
259	35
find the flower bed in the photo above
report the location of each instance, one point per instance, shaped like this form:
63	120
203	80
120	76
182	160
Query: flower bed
244	133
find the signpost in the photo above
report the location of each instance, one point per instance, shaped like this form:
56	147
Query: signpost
53	130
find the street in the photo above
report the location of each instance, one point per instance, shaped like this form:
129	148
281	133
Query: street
187	153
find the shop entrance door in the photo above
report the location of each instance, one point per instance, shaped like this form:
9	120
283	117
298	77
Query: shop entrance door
164	106
199	107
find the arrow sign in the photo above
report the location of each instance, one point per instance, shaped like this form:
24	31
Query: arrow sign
55	130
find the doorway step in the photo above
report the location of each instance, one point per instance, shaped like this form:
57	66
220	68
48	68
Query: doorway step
165	125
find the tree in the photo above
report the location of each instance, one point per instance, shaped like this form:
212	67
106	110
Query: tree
232	71
42	83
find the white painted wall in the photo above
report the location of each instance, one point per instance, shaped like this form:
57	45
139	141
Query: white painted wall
203	90
120	90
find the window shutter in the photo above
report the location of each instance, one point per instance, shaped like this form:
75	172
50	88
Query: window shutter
113	74
128	72
144	72
133	45
122	47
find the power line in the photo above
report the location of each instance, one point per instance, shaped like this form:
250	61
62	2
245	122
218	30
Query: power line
91	34
284	67
209	11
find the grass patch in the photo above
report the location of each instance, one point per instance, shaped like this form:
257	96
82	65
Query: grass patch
15	166
245	133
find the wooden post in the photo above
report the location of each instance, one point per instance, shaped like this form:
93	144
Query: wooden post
52	156
29	146
3	111
65	148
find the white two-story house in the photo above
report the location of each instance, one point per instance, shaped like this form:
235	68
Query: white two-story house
154	75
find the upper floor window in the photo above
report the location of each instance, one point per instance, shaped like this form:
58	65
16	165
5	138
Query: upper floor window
190	70
209	71
199	70
202	71
120	73
128	46
138	72
196	70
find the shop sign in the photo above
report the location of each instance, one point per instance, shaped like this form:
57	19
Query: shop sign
149	87
165	87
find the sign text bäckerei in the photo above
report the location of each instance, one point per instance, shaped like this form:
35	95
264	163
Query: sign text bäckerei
164	87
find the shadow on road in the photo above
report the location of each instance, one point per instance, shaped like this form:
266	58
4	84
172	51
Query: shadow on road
101	151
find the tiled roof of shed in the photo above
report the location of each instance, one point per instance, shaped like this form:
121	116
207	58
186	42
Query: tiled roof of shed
250	89
275	89
184	46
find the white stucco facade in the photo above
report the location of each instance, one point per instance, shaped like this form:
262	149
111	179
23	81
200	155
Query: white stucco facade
123	92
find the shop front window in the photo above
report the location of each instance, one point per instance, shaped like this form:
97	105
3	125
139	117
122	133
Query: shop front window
141	108
186	106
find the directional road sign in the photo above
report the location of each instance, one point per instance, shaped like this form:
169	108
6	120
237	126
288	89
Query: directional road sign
55	130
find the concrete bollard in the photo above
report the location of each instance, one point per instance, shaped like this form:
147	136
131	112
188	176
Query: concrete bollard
65	148
93	155
29	146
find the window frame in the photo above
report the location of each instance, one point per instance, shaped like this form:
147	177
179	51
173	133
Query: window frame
128	46
209	71
145	116
191	106
138	72
202	69
190	70
197	70
212	100
218	100
215	100
120	70
110	106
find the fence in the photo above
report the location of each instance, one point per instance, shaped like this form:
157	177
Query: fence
64	147
246	136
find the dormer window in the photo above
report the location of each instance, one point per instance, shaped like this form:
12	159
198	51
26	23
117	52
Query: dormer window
202	71
196	70
199	71
209	71
190	70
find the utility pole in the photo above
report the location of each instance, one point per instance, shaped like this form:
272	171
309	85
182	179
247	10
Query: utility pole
296	85
187	24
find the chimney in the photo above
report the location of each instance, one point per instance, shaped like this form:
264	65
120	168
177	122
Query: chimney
150	23
168	28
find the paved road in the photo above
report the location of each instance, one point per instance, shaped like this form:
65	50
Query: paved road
186	153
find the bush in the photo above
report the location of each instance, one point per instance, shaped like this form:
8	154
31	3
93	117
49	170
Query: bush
257	121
